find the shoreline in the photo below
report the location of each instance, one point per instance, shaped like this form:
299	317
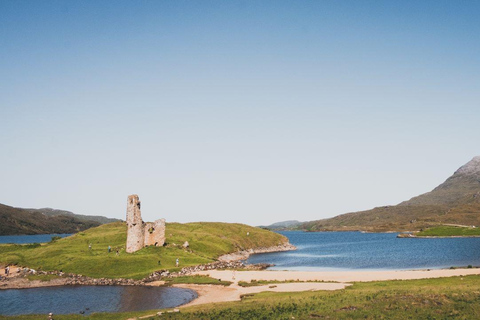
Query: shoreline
244	254
436	237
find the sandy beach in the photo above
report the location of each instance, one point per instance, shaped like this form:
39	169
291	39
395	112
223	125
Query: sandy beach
335	280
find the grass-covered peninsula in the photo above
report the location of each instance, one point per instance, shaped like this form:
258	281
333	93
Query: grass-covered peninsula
207	241
450	231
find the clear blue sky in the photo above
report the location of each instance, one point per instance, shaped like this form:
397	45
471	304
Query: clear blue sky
238	111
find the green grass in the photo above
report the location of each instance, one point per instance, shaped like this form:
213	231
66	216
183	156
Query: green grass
197	280
255	283
72	255
449	231
95	316
443	298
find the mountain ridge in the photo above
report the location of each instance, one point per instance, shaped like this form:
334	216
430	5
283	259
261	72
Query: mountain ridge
456	200
20	221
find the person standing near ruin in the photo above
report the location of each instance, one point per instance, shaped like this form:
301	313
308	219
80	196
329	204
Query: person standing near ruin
176	262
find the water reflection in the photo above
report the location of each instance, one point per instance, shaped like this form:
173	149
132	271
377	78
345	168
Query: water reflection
88	299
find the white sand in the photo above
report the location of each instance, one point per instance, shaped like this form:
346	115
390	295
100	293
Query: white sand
338	276
216	293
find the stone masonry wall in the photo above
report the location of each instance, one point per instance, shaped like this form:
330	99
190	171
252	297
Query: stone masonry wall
135	225
139	233
155	233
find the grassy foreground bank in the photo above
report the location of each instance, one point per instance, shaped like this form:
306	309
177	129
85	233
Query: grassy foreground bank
207	241
444	298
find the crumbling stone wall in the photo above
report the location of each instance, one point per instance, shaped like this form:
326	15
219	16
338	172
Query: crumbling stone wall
155	233
139	233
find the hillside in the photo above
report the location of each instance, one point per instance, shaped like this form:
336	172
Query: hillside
16	221
55	212
282	225
456	201
207	242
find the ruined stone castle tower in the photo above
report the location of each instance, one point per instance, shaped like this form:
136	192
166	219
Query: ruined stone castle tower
139	233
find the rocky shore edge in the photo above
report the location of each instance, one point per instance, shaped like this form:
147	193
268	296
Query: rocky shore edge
413	235
229	261
244	254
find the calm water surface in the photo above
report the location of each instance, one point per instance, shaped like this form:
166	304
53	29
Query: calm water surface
374	251
35	238
88	299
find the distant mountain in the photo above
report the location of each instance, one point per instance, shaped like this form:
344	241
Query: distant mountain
463	187
16	221
456	201
282	225
55	212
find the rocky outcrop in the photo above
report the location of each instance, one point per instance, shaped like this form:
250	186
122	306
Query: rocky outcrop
20	280
217	265
244	254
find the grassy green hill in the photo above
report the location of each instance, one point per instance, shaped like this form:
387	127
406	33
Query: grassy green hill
456	201
207	242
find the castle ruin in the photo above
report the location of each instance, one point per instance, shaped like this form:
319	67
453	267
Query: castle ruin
139	233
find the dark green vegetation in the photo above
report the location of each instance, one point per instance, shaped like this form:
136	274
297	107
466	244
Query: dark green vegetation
197	280
15	221
72	255
449	231
456	201
445	298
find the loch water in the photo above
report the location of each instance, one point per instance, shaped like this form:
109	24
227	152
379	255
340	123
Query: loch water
332	251
32	238
88	299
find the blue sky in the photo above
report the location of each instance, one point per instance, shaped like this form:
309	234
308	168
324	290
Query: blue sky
239	111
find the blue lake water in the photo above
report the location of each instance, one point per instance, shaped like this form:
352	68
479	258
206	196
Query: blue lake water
88	299
323	251
35	238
